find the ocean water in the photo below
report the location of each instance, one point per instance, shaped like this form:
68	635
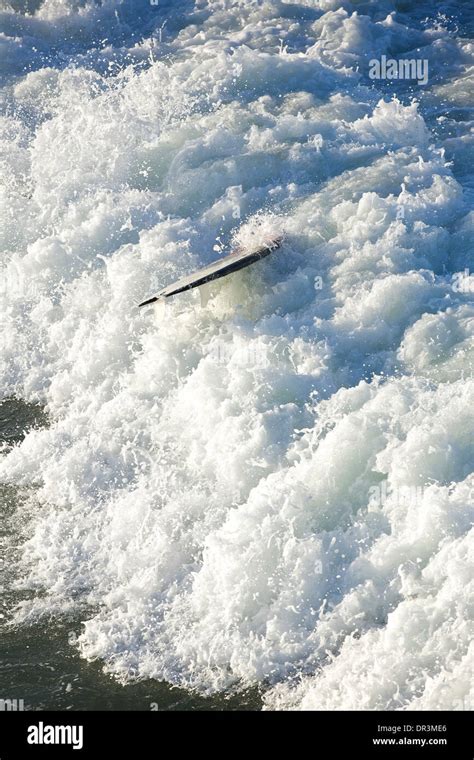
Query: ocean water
266	502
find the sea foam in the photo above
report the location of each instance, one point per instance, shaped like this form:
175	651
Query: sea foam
277	489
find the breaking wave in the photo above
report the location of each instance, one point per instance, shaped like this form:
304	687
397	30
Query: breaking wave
277	489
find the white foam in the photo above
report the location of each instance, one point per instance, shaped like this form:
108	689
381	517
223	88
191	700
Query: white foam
206	494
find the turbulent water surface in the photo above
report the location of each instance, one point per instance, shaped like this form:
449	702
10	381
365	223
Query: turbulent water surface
271	495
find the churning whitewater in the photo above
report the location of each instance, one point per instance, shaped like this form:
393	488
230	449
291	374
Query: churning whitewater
275	490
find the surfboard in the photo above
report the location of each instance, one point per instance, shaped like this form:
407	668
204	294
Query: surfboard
237	259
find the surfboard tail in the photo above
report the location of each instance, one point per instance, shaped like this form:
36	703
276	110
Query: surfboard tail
160	306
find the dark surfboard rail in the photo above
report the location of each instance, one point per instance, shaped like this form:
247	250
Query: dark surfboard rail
238	259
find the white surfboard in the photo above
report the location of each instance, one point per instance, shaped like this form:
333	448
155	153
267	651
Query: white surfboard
236	260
